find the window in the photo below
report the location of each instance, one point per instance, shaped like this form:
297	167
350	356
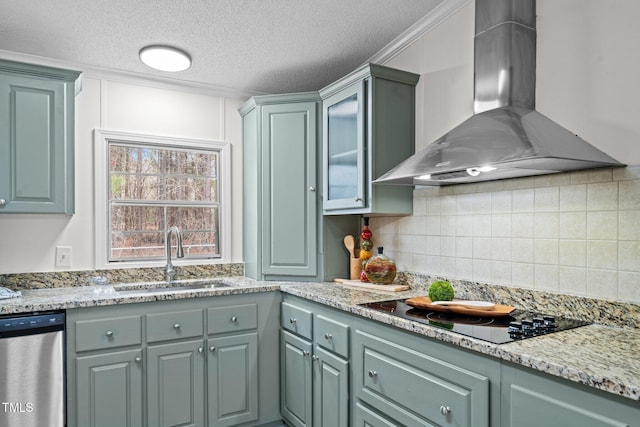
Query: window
147	184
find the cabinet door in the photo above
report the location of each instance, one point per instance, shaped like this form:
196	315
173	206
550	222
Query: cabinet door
289	242
295	381
233	379
330	390
36	146
175	384
109	390
532	399
344	149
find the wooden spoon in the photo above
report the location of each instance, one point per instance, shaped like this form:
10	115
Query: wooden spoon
350	244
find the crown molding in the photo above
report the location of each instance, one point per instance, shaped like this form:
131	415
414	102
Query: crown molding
140	79
429	22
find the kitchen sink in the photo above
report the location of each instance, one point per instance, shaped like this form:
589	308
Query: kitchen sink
159	287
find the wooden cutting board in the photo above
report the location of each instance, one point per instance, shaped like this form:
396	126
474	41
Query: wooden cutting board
425	303
386	288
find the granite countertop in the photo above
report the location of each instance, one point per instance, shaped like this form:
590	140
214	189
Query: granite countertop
599	356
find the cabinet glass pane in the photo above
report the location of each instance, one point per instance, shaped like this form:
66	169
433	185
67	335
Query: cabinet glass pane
342	127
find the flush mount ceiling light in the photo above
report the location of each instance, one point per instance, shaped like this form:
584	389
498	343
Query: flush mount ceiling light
165	58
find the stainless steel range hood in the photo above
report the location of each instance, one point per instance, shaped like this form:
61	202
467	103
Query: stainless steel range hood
506	137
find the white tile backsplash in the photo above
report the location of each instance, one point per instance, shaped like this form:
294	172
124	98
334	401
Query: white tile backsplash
576	233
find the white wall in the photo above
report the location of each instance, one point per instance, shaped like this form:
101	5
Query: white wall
573	233
28	241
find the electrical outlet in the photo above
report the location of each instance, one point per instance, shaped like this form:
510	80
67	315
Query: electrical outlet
63	256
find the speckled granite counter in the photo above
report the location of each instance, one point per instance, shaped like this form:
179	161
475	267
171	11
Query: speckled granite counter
599	356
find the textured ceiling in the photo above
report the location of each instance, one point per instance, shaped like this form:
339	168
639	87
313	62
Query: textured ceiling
246	46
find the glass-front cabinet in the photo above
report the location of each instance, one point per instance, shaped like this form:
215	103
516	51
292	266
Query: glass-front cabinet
368	128
344	127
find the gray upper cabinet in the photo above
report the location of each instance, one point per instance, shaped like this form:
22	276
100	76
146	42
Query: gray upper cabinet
280	198
368	128
36	138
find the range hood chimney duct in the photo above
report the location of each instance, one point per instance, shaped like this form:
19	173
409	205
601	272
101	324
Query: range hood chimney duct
506	137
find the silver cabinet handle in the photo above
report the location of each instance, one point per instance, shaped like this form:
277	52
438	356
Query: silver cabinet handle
234	319
315	358
292	320
305	353
138	360
445	410
312	189
200	349
358	199
3	202
328	336
176	326
109	334
372	374
212	348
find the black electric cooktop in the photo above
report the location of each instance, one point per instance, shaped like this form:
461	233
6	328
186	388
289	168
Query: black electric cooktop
516	326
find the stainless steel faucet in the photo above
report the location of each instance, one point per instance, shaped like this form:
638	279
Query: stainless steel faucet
179	252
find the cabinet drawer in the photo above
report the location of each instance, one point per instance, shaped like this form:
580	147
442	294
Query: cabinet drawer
108	333
174	325
395	378
230	319
296	320
332	335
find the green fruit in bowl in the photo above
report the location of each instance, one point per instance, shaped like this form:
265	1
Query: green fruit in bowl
441	290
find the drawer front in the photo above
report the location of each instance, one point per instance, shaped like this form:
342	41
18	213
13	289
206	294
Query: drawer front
296	320
108	333
332	335
174	325
231	319
394	379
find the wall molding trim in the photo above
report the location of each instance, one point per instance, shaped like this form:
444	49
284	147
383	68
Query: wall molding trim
429	22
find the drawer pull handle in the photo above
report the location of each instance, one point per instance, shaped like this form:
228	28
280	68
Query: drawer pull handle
200	349
109	334
2	203
328	336
138	360
372	374
292	320
234	319
176	326
305	353
445	410
212	348
315	358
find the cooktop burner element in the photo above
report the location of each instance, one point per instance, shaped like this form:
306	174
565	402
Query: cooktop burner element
516	326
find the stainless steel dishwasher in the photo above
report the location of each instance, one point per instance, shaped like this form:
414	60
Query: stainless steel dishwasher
32	386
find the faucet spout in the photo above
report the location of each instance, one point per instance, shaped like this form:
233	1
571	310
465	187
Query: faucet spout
170	271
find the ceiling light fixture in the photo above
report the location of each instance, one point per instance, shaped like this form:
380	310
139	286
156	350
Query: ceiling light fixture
165	58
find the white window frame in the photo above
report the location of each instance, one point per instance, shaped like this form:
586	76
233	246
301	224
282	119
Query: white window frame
102	138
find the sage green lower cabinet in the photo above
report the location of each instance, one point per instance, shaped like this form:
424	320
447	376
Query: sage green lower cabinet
330	389
314	365
296	386
175	384
414	385
210	361
112	389
232	380
532	399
